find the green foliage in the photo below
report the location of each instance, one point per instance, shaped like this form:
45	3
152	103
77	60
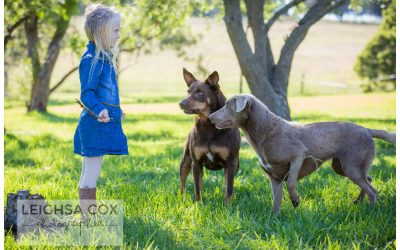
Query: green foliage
74	41
16	49
21	88
146	23
359	5
271	6
15	11
378	59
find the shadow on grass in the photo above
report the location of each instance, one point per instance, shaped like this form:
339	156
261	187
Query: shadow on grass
16	152
151	136
130	118
158	117
53	102
126	100
153	100
327	118
56	118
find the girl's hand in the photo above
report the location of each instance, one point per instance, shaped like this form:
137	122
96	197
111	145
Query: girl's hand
103	116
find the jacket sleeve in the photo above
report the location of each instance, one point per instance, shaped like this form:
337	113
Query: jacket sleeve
89	76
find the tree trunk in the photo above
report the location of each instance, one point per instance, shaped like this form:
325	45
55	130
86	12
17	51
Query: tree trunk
40	92
267	80
31	32
262	89
5	82
255	67
42	73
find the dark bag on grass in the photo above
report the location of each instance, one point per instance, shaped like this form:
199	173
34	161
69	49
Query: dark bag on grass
10	214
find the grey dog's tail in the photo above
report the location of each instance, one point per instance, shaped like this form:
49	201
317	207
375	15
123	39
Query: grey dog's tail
382	134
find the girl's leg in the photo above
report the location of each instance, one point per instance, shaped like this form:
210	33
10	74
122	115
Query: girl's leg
82	173
91	168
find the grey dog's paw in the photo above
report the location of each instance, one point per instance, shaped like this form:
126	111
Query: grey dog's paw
296	202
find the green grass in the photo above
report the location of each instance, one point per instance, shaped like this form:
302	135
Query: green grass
39	156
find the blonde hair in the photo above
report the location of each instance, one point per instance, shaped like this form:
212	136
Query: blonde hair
98	21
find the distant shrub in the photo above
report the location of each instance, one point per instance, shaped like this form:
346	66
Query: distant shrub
377	62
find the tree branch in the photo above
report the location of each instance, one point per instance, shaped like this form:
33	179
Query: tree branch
59	33
132	49
234	24
11	29
270	59
256	22
58	84
52	54
32	38
298	34
252	69
136	32
280	12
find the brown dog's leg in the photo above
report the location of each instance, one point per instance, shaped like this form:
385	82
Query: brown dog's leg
276	187
185	170
292	180
196	168
237	166
229	174
201	179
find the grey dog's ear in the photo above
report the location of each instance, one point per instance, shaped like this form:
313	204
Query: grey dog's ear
241	102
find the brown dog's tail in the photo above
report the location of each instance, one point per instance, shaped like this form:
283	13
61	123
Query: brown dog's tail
382	134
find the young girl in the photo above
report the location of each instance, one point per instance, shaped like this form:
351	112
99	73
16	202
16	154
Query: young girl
99	130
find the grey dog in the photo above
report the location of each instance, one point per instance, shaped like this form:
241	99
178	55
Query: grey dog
289	151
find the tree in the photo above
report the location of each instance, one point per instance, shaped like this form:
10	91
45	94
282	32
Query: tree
377	62
41	72
39	19
268	79
16	13
143	23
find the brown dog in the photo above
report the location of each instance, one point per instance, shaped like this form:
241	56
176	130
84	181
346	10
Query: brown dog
206	145
289	151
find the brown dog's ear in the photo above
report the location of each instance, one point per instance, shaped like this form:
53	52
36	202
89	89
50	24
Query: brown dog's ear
241	102
213	79
189	78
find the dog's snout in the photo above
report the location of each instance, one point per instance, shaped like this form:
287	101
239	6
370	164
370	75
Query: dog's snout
182	104
212	117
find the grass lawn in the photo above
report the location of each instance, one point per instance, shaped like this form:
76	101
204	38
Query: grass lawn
39	156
